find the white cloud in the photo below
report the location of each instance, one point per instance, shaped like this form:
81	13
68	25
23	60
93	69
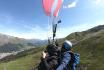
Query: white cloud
98	3
34	33
39	33
63	32
28	32
73	4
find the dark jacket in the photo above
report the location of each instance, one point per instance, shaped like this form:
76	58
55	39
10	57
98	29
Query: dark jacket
49	63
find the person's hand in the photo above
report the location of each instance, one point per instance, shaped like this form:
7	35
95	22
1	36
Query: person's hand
44	54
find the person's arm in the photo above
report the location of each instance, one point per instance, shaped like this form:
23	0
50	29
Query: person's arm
65	61
46	65
44	61
51	65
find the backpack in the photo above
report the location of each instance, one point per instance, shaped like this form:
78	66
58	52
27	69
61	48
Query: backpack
75	59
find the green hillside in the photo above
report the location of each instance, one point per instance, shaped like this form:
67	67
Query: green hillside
26	60
90	45
91	51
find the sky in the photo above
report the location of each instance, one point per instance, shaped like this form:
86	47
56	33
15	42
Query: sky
26	18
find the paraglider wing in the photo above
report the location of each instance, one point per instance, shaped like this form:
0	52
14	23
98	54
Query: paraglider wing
57	5
47	5
52	7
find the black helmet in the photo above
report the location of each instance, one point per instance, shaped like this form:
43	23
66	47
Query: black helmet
52	49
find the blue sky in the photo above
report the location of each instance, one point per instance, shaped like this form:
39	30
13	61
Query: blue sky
26	18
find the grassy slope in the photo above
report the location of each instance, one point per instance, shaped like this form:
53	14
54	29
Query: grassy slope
27	62
91	51
90	46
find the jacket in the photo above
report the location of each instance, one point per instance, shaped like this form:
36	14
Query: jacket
65	59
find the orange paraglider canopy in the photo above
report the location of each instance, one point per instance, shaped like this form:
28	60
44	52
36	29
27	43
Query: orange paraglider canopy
52	7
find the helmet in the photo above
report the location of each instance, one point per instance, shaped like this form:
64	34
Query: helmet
67	45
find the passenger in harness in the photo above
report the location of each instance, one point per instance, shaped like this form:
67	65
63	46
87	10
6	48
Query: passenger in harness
68	60
49	60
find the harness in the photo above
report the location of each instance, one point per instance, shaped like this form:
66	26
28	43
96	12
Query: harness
71	62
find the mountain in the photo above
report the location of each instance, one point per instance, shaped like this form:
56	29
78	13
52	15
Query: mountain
37	42
10	43
89	44
5	39
79	36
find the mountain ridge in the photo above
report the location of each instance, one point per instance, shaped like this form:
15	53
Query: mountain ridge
10	43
